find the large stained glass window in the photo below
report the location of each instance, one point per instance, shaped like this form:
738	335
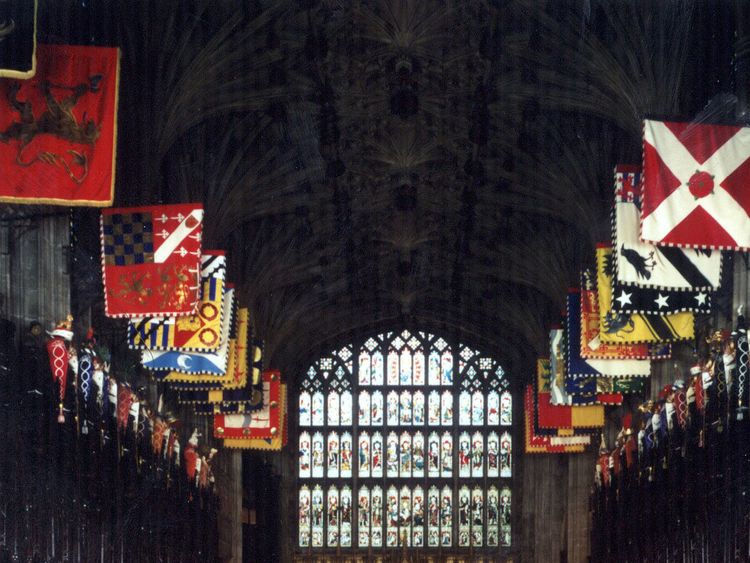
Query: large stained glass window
404	441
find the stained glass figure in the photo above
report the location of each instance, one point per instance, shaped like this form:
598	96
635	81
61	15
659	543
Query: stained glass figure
493	409
364	455
404	412
446	455
317	409
418	408
392	511
376	516
493	455
433	455
433	368
377	368
318	455
418	374
405	458
477	517
346	455
433	409
333	454
433	517
376	408
363	516
493	520
446	517
417	517
304	412
364	408
446	376
464	455
417	454
305	457
506	409
392	455
505	537
345	538
332	516
377	454
346	408
477	409
392	376
446	408
464	517
333	408
477	455
464	408
506	450
404	516
405	367
318	510
364	368
392	409
305	516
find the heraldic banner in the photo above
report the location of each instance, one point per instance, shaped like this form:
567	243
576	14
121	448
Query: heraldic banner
58	129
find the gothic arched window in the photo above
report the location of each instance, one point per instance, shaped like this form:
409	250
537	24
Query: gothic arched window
404	440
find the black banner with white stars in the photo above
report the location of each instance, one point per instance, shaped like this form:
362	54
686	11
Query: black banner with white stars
633	299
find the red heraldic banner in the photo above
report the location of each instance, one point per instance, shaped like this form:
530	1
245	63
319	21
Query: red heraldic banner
58	130
151	260
696	185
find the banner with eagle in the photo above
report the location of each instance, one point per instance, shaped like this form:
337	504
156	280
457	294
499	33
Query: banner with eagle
58	130
695	186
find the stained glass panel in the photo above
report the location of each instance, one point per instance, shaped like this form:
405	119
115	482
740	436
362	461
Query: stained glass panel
446	455
464	455
376	408
418	408
505	497
417	452
333	454
317	409
506	450
477	454
506	409
391	537
417	517
433	455
405	459
404	516
346	455
464	522
446	408
493	409
405	367
363	516
493	528
392	410
446	377
377	454
464	408
377	368
433	409
318	509
433	517
305	516
346	517
346	408
318	455
446	517
392	377
477	517
405	409
477	408
376	517
433	368
304	411
493	457
364	368
332	516
364	454
364	408
392	455
333	408
304	456
418	375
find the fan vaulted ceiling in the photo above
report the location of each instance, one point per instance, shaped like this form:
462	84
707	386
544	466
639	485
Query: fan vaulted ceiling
372	164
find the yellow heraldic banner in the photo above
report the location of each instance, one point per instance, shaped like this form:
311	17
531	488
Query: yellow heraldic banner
616	326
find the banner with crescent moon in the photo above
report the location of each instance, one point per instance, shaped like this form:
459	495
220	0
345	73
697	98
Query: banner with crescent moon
196	363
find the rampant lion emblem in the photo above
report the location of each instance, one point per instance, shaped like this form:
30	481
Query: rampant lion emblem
57	120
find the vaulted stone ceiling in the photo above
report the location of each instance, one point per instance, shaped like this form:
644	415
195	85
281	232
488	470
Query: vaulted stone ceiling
440	164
